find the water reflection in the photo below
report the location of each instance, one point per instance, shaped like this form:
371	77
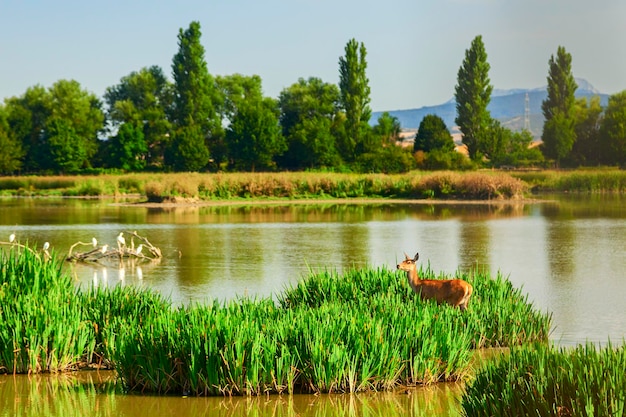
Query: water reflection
98	394
474	250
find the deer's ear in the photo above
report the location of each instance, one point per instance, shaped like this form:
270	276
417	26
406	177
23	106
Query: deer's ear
407	257
417	256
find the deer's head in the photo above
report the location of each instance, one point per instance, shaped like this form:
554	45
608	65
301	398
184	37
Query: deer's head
409	263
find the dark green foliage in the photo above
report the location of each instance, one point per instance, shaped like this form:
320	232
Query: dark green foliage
433	134
558	108
254	136
438	159
308	112
390	159
67	152
11	151
57	127
613	131
143	98
128	149
473	94
187	150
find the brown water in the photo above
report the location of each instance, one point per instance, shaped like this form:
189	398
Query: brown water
567	254
96	394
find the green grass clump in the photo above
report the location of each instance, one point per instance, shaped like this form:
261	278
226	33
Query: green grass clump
499	315
357	331
540	380
102	307
41	326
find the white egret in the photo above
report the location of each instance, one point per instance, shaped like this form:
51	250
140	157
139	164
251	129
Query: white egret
11	237
139	248
104	249
94	242
46	246
120	239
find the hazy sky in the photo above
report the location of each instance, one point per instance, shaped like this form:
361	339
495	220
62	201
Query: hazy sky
414	48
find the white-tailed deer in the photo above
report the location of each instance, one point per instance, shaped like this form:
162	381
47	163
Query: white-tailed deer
455	292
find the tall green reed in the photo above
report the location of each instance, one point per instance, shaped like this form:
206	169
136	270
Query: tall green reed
543	380
40	318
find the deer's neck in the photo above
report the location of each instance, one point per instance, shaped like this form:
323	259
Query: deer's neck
414	279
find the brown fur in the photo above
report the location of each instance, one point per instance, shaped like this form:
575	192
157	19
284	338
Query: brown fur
455	292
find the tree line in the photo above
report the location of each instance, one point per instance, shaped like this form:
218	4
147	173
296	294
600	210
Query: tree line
201	122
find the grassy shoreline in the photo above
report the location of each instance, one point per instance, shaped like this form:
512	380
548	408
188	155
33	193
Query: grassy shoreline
159	188
194	187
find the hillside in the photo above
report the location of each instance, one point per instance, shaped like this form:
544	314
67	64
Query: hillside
506	106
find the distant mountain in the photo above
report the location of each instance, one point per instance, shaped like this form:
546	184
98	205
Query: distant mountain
508	106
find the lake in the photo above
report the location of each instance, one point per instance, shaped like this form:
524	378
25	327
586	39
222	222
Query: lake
567	252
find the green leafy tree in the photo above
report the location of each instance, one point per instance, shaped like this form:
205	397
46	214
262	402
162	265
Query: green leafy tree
613	131
128	149
254	135
433	134
75	115
559	128
387	129
388	160
355	98
142	99
26	117
308	112
64	144
516	149
473	94
11	151
193	114
233	91
56	124
495	140
587	148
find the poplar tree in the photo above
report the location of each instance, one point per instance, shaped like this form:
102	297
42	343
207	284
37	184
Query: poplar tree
473	94
193	114
558	108
355	98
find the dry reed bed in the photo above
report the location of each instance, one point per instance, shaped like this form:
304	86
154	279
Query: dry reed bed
290	185
161	187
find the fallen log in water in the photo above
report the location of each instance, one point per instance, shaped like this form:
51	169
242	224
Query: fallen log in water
98	253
